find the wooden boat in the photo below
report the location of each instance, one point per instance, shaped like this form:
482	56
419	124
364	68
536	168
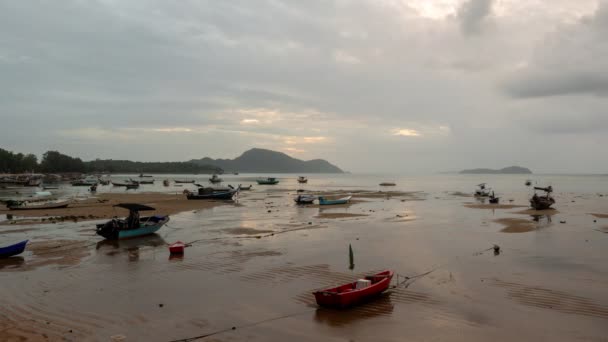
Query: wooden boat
268	181
177	247
304	199
387	184
183	181
493	199
11	250
544	201
166	182
132	225
359	291
25	205
215	179
121	183
212	194
324	201
302	179
482	191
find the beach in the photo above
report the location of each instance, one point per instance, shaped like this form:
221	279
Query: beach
251	265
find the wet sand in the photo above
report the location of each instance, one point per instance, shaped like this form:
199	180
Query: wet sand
102	207
493	206
253	266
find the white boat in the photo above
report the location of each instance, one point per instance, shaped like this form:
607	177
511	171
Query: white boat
25	205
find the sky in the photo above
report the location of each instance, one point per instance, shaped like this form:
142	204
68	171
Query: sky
369	85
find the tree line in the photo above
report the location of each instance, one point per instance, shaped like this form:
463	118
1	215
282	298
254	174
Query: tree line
56	162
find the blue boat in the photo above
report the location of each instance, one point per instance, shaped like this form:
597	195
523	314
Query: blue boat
133	225
11	250
213	193
323	201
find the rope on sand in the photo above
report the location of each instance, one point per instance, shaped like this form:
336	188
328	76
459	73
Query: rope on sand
194	338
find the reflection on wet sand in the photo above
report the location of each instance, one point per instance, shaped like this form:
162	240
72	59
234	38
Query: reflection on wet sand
378	307
13	262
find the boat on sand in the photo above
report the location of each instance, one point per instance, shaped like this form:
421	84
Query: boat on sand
544	201
343	200
26	205
133	225
14	249
302	179
359	291
305	199
268	181
212	193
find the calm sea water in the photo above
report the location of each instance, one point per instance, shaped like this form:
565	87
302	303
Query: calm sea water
505	185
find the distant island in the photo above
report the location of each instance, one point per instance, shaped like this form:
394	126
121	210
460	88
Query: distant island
505	170
258	160
255	160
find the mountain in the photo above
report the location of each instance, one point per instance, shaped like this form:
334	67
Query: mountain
506	170
259	160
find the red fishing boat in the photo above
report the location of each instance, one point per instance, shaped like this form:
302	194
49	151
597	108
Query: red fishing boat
177	247
356	292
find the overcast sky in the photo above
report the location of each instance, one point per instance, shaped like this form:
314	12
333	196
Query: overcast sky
372	86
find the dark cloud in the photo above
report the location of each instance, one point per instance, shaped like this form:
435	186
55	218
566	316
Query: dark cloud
567	62
472	14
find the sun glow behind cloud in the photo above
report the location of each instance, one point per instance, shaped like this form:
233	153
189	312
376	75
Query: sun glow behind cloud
406	132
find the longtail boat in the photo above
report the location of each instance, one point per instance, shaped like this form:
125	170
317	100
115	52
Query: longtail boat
544	201
268	181
350	294
212	193
25	205
324	201
132	225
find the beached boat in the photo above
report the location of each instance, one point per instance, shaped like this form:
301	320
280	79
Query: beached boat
183	181
27	205
11	250
343	200
177	247
305	199
482	191
359	291
302	179
125	183
132	225
245	187
212	194
493	199
388	184
268	181
544	201
215	179
85	182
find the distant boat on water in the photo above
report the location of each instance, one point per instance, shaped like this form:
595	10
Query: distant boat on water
542	202
387	184
268	181
215	179
141	175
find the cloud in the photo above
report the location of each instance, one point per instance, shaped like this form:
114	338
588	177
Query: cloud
472	15
566	62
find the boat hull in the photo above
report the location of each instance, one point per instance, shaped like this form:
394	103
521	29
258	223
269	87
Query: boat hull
346	295
12	250
41	207
119	234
